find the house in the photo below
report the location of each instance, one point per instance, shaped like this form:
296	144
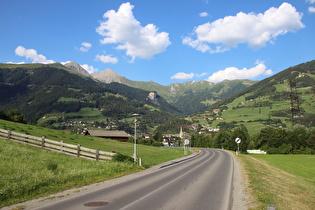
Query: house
117	135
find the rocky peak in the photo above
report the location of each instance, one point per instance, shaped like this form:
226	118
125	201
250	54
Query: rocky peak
77	68
108	76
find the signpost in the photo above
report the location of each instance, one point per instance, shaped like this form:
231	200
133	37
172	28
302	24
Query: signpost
186	143
238	141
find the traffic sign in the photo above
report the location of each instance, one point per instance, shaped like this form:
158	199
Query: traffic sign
238	140
186	142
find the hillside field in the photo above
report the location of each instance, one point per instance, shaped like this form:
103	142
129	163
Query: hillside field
28	172
286	181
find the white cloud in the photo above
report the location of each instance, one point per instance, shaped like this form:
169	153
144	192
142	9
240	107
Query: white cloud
232	73
254	29
85	46
311	9
123	29
183	76
203	14
15	63
311	1
31	54
89	69
201	75
106	59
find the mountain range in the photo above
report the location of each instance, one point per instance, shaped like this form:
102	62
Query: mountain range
57	94
188	97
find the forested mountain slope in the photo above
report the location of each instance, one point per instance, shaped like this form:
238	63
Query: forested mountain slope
280	100
37	89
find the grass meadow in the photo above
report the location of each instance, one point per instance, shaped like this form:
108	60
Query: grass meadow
286	181
28	172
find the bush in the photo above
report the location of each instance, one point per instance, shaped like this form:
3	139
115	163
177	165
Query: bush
122	158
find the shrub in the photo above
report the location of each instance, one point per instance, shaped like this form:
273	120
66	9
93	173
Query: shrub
122	158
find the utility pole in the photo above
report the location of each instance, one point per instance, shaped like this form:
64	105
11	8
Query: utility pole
135	141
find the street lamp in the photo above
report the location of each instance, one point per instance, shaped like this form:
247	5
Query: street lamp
135	142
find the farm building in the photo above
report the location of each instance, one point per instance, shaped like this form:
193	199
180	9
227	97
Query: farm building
117	135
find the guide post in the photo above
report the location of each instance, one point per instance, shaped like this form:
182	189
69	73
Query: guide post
238	141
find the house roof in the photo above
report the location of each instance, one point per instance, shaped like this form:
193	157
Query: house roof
105	133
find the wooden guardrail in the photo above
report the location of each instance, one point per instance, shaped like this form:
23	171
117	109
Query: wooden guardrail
61	147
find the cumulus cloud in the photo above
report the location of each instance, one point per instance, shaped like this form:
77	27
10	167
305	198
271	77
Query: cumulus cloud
201	75
15	63
183	76
203	14
232	73
311	1
123	29
106	59
85	46
32	54
254	29
311	9
89	69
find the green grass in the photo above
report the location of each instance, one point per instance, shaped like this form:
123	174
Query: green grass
286	181
298	165
147	153
27	172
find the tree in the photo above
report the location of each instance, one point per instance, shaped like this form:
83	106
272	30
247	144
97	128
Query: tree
242	133
224	140
12	115
158	136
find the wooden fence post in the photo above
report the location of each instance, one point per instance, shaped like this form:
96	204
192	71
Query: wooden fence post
97	154
61	146
43	141
9	134
78	150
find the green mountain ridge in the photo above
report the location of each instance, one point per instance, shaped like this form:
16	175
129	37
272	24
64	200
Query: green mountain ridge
270	101
189	97
39	90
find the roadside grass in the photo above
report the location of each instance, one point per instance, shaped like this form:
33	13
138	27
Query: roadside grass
286	181
27	172
150	155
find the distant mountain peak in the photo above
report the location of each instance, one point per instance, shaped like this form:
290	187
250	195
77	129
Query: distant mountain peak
108	76
77	68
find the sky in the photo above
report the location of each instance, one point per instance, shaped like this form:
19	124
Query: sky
165	41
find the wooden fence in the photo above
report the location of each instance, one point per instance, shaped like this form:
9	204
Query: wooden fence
68	149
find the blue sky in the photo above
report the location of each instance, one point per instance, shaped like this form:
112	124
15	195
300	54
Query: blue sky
164	41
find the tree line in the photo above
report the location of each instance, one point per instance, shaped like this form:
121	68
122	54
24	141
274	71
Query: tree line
296	140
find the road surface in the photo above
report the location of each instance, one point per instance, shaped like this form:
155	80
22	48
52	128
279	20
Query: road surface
201	182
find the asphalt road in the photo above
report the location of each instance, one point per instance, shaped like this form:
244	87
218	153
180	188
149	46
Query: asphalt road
202	182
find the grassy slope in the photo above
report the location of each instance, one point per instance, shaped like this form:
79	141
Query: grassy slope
147	153
286	181
28	172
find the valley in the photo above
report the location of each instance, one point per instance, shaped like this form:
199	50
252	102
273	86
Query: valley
65	98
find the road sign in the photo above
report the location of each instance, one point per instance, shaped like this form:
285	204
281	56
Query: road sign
186	142
238	140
